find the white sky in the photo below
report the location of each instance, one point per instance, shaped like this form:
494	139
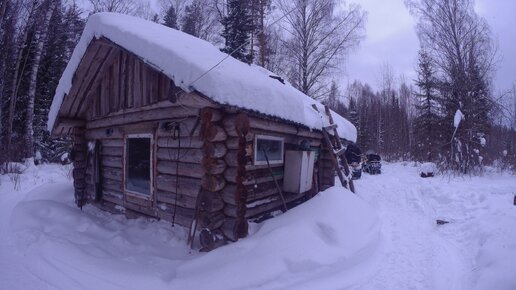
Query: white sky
391	39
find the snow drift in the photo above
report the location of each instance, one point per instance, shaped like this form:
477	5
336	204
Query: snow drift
71	249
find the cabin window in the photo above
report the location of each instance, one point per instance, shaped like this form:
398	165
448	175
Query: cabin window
268	147
138	164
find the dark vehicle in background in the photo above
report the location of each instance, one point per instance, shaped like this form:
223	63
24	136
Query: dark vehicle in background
354	158
372	164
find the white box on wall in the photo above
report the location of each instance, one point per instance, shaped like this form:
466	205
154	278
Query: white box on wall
299	168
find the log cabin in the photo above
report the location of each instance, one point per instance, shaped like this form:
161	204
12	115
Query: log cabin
165	125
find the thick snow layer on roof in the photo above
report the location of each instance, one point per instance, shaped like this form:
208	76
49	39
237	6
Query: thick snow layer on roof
184	58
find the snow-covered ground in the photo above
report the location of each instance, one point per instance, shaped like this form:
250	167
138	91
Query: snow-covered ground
385	237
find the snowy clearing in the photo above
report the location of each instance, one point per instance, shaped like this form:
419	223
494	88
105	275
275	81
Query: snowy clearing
386	237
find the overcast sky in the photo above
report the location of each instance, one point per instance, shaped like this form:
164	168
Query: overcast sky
391	39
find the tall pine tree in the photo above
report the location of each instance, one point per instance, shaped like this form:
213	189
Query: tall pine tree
427	124
170	19
238	27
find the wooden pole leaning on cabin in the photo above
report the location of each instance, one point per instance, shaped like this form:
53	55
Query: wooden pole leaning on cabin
280	192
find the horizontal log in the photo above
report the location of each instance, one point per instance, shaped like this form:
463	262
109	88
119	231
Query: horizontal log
113	185
141	200
110	161
112	142
142	115
112	198
178	210
251	167
188	127
194	170
112	151
112	173
105	133
139	209
259	180
261	191
269	203
254	191
170	198
110	207
178	218
181	142
113	194
185	155
187	186
262	172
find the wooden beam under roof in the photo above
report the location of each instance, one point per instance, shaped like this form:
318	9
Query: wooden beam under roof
78	78
85	95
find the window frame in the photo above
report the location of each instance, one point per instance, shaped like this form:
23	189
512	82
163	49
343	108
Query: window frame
271	138
150	136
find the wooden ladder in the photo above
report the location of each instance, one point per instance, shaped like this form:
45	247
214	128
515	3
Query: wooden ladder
337	150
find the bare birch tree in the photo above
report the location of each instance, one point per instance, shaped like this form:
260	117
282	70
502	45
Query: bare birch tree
319	34
18	71
40	39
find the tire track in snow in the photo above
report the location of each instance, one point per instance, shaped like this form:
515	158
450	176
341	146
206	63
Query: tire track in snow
415	255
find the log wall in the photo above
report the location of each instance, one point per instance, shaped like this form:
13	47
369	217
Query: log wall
203	171
255	181
177	173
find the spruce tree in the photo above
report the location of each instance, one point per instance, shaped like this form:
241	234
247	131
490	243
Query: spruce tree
170	19
65	28
191	21
353	112
238	26
427	124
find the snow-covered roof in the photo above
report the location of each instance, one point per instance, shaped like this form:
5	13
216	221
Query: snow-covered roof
184	58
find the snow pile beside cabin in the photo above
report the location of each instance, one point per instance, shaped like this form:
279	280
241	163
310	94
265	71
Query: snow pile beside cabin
184	59
72	249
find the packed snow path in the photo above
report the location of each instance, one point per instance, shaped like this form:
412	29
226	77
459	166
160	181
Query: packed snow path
417	253
385	237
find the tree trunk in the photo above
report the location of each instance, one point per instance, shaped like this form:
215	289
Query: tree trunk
16	75
40	40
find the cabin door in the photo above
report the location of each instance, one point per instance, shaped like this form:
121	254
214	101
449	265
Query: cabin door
138	165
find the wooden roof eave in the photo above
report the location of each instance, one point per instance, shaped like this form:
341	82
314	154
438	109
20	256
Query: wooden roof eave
99	56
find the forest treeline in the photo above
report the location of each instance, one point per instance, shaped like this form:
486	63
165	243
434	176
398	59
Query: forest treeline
305	42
